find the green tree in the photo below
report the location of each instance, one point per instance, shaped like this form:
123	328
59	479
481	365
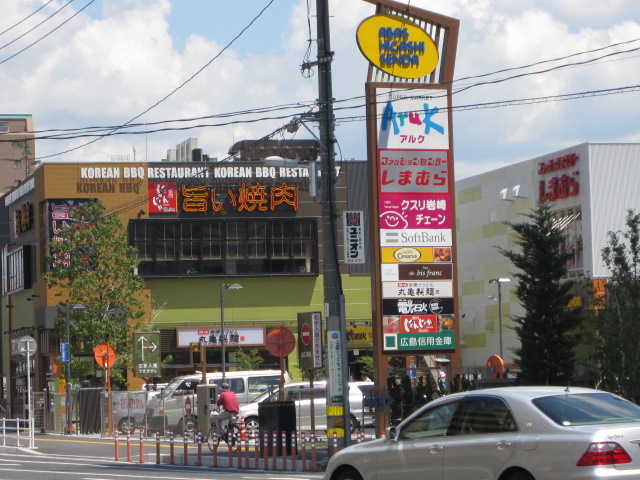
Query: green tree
249	361
618	329
98	273
365	362
547	330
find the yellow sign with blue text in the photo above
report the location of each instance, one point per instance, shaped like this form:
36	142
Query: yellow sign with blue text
397	46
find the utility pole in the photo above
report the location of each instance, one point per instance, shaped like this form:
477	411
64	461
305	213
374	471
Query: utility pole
337	356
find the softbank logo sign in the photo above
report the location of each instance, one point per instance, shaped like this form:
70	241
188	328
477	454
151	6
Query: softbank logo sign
416	119
415	238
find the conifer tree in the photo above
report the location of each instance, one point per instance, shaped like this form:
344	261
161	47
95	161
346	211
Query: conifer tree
547	329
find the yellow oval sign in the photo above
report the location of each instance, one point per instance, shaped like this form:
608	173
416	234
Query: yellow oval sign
397	46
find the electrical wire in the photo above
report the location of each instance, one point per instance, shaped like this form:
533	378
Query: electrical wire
24	19
47	34
33	28
215	57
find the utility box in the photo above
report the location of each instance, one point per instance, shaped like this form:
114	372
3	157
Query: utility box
207	396
277	417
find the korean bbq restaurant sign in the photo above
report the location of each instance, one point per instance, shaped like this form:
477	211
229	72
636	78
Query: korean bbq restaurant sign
220	189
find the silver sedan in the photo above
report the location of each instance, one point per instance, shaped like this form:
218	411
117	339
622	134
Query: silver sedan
513	433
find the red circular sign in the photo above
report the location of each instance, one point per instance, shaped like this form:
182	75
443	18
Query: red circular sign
280	342
305	333
104	355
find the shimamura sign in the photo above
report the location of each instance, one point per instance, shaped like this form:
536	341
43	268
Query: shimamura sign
397	46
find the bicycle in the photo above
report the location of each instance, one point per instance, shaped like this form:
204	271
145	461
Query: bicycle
230	433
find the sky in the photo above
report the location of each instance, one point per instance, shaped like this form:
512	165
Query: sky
160	64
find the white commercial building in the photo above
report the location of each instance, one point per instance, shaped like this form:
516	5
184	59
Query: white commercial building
591	187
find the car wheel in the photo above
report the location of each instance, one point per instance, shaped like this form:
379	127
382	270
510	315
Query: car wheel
520	476
349	474
252	424
190	424
127	423
354	424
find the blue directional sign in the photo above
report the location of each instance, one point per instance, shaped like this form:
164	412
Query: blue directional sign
64	352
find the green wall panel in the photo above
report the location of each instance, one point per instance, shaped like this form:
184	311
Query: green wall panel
470	195
473	288
475	340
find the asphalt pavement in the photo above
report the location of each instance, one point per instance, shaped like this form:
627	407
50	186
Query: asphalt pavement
101	448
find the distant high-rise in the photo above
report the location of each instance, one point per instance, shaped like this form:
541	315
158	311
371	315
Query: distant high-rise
17	149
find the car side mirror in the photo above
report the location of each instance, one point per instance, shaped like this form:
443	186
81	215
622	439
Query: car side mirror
391	434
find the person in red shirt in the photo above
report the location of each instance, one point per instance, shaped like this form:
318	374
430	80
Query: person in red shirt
228	403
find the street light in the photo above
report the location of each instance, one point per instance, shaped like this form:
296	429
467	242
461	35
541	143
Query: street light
223	287
500	281
75	307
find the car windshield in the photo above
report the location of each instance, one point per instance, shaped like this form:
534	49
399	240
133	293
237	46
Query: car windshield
588	409
171	387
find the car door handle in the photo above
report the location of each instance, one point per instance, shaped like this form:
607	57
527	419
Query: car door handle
502	444
435	448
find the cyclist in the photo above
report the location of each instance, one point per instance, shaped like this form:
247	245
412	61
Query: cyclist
228	402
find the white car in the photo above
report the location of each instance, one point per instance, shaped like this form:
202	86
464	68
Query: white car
512	433
300	393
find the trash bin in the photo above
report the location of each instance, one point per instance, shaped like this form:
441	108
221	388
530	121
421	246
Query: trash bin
277	417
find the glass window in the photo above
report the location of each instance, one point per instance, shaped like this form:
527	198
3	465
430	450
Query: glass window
588	409
432	422
261	384
236	385
221	247
478	416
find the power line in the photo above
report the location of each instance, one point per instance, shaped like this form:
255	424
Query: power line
47	34
25	18
215	57
33	28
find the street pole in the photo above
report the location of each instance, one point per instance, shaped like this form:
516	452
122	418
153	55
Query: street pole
500	317
222	341
68	374
338	378
499	281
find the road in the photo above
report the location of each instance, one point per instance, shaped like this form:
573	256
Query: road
25	466
59	457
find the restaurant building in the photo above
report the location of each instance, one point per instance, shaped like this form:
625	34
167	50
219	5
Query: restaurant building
197	225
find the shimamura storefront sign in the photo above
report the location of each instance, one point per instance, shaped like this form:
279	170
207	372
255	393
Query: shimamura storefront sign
397	46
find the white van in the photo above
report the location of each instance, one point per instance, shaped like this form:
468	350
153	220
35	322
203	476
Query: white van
300	393
176	409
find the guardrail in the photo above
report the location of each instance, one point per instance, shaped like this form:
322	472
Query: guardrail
10	429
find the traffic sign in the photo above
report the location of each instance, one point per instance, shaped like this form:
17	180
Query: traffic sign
146	354
305	333
104	355
27	346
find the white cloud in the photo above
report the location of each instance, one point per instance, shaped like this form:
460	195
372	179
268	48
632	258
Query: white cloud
106	70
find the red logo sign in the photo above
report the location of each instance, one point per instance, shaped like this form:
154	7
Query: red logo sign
203	332
305	332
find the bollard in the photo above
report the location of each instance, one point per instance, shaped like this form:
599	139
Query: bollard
293	451
239	448
265	453
128	445
243	429
303	451
115	437
284	451
335	442
246	452
360	436
199	448
229	446
171	457
314	457
157	447
185	440
214	452
142	445
274	451
256	447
